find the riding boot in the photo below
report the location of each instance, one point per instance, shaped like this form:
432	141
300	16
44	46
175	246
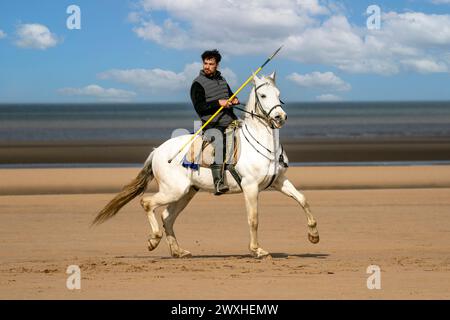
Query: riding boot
219	185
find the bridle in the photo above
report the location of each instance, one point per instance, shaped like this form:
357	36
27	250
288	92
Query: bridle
266	118
265	115
258	104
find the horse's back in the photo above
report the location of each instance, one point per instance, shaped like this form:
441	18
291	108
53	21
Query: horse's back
168	150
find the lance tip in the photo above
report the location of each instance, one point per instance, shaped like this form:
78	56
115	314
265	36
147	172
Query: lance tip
273	55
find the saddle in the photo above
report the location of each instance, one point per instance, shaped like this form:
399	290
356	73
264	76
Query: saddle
201	152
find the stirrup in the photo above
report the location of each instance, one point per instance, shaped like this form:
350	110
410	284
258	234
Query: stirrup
218	182
220	188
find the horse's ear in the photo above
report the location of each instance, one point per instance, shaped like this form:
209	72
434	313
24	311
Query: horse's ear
256	81
272	76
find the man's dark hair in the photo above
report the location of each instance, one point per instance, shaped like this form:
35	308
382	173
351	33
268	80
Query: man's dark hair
212	54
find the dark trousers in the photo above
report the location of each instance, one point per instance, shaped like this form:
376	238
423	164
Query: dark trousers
222	130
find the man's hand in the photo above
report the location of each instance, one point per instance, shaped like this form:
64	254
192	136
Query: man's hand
224	103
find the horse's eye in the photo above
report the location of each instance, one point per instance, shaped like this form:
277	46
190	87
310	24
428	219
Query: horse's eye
263	96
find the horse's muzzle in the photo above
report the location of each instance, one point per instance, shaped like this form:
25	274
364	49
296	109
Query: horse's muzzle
279	120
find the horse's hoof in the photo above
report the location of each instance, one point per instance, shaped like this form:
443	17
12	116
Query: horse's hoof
260	254
182	254
153	243
313	238
186	254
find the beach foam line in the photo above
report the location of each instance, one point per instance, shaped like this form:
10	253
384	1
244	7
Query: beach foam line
26	181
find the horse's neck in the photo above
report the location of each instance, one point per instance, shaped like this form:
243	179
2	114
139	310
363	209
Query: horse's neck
258	127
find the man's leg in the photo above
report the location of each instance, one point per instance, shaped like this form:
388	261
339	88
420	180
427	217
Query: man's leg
217	168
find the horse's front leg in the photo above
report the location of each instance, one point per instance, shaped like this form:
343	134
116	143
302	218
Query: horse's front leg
251	203
283	185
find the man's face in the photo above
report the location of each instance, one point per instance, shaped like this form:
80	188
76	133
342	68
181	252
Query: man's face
209	66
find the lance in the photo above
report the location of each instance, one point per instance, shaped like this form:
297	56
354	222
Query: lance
229	100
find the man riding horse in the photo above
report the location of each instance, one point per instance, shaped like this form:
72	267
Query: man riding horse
263	164
209	92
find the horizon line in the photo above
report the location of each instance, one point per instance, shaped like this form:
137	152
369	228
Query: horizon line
186	102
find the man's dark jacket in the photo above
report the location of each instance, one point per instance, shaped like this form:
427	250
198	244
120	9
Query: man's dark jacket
205	95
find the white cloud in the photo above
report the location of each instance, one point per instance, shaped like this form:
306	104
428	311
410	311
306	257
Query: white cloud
425	65
35	36
336	43
312	7
416	29
319	80
239	26
134	17
169	33
314	32
157	79
96	91
440	1
328	98
411	35
2	34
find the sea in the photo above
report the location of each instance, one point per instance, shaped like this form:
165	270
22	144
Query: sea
157	121
115	122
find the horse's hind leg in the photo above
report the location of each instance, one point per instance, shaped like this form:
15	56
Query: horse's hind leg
285	186
169	216
150	203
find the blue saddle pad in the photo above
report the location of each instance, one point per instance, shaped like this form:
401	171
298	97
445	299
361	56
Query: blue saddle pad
188	164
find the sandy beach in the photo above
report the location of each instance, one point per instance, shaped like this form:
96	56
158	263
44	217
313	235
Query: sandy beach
395	217
348	96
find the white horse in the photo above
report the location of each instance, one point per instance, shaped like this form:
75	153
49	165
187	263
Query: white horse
259	165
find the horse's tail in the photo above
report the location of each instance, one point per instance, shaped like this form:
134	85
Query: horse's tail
136	187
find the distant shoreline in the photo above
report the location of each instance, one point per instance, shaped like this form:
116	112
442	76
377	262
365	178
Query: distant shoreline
186	102
422	149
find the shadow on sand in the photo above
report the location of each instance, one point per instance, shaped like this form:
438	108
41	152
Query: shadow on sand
275	255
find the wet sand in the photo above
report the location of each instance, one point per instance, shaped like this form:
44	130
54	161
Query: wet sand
298	150
395	217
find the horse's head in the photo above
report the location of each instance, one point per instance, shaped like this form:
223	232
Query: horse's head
267	100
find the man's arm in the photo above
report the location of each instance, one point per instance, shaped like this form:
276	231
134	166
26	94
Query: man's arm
230	93
199	100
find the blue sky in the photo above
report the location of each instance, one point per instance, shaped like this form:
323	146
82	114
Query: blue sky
148	51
